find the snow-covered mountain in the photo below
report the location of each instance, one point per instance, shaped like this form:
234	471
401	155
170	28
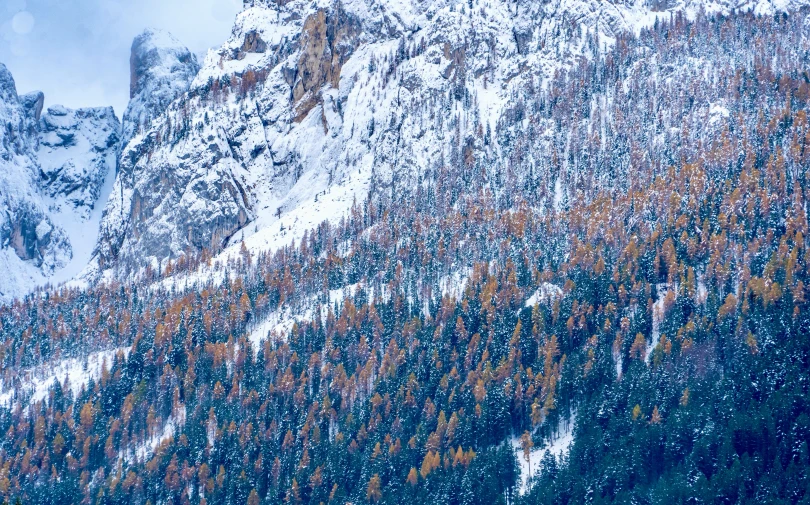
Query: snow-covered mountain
305	109
161	68
60	165
310	106
54	169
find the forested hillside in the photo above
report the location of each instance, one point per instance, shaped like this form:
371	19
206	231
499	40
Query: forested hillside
621	261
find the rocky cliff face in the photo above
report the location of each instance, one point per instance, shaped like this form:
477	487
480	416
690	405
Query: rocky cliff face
161	68
77	150
30	243
53	167
327	41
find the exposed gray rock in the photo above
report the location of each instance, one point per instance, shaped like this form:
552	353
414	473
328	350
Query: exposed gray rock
33	103
161	68
77	150
27	234
53	166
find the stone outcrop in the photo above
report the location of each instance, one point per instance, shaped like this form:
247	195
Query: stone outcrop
161	69
77	151
26	229
327	42
253	44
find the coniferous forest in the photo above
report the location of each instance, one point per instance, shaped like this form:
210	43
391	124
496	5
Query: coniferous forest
629	269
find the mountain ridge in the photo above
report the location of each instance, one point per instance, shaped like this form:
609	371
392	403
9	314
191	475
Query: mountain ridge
289	161
279	169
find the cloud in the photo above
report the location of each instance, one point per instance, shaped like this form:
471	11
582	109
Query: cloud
77	52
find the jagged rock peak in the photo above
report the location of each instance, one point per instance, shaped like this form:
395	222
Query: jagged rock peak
158	54
33	103
8	88
17	138
161	68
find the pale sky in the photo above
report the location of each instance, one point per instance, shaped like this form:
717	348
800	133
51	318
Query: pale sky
77	51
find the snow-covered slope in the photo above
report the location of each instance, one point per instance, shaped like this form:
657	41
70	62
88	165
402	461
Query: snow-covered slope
305	109
55	168
310	106
76	153
33	385
31	245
